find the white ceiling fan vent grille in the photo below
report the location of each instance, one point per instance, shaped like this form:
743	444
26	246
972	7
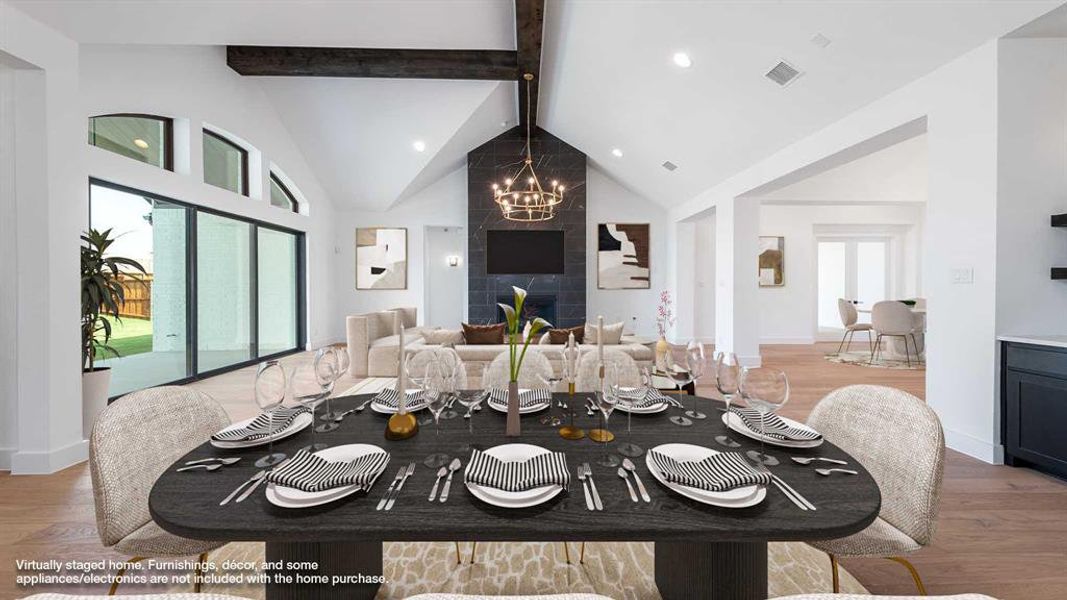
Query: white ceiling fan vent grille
670	166
783	73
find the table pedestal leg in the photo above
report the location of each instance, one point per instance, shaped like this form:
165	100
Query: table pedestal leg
711	571
333	559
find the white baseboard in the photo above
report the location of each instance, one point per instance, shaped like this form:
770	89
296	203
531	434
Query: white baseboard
788	340
43	463
974	447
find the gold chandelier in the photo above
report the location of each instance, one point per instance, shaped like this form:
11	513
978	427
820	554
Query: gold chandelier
522	198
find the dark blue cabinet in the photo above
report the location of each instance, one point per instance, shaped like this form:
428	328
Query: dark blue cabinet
1034	406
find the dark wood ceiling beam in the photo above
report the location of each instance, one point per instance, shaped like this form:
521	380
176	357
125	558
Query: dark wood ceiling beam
294	61
529	29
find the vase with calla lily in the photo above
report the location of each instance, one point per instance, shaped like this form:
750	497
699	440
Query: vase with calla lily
516	354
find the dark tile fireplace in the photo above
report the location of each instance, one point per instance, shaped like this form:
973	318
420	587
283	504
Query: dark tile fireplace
536	305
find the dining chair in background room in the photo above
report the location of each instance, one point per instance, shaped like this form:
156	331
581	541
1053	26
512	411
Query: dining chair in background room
134	440
536	370
589	375
850	321
890	318
898	438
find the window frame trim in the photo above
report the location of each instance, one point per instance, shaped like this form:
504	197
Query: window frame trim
244	158
295	204
168	135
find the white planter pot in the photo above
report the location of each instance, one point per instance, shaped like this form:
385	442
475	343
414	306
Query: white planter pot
94	396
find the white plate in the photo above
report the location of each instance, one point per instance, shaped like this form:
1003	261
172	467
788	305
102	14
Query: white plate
287	497
385	410
734	422
300	422
522	411
503	499
742	497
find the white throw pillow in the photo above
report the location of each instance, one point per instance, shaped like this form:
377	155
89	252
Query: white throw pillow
612	334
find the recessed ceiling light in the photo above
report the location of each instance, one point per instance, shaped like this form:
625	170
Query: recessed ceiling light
418	145
682	60
140	144
616	153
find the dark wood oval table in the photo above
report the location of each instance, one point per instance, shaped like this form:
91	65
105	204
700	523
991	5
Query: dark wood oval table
701	552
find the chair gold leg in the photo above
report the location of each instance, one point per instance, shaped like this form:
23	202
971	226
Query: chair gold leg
474	549
121	572
459	559
911	569
581	555
567	552
198	573
833	571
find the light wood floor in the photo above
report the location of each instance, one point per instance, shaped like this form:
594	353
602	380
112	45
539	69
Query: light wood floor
1002	531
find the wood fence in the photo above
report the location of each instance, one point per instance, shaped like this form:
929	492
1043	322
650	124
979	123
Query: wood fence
138	297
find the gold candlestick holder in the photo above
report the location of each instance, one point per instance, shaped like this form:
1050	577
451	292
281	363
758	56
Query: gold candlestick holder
570	431
401	426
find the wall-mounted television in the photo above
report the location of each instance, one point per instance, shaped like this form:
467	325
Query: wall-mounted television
523	252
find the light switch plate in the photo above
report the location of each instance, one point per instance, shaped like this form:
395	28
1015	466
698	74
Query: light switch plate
962	275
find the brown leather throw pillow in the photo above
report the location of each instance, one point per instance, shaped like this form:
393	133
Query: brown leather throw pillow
560	336
481	335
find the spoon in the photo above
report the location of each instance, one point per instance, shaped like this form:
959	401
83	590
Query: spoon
625	477
440	473
807	460
204	467
452	468
629	466
826	472
221	461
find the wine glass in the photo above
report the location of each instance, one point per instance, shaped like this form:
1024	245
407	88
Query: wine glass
728	381
472	400
436	387
331	354
270	390
695	363
630	401
306	388
550	382
765	390
679	372
449	361
606	399
327	372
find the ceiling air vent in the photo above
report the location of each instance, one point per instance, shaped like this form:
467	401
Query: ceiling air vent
670	166
783	73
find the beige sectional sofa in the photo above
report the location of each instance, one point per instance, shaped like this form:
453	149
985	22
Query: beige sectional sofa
374	345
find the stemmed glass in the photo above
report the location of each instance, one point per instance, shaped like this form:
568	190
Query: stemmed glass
728	381
270	394
684	372
631	449
765	390
449	360
309	389
695	363
472	400
338	358
551	382
571	356
606	399
436	386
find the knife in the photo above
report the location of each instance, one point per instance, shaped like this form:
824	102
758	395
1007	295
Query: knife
252	479
259	481
396	492
392	486
592	486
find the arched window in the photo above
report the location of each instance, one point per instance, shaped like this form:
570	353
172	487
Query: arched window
280	195
147	138
225	163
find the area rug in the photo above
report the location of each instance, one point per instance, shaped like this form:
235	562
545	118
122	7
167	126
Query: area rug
619	570
863	359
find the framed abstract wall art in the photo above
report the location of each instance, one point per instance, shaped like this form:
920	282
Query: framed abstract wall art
381	258
623	256
771	261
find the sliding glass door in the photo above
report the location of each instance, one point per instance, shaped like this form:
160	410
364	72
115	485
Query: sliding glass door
222	291
856	269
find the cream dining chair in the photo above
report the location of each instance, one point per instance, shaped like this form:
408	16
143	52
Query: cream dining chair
869	597
898	439
890	318
589	374
134	440
535	373
850	320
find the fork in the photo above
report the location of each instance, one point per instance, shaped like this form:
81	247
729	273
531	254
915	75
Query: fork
787	489
358	409
585	488
592	487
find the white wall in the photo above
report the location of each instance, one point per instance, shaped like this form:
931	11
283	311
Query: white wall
141	79
704	279
446	285
1031	185
607	201
8	295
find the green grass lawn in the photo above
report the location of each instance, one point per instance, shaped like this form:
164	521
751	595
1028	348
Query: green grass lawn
129	336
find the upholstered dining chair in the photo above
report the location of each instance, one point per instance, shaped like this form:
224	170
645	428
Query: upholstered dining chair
850	320
134	440
480	597
890	318
898	438
536	371
177	596
589	374
869	597
417	362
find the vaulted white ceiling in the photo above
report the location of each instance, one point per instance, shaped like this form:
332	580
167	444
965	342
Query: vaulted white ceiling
607	77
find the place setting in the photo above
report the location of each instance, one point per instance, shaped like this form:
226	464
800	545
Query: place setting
516	475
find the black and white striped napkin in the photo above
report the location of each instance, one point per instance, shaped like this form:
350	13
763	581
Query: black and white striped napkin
642	397
527	398
261	427
777	428
390	398
545	469
716	473
310	473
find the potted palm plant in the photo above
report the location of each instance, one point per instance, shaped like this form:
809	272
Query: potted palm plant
515	355
103	294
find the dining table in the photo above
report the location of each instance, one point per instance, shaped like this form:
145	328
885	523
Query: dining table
701	551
